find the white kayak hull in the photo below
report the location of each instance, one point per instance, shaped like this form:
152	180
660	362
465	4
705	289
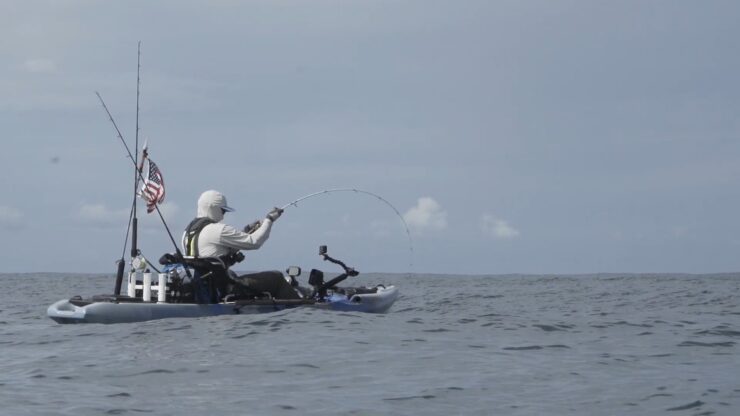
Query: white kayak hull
68	311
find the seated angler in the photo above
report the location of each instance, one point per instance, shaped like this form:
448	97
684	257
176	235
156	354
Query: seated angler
207	236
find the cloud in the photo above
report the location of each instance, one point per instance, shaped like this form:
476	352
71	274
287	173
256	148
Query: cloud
101	215
169	210
10	218
679	231
426	215
40	66
498	227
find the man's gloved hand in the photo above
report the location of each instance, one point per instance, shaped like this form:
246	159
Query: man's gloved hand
274	214
249	229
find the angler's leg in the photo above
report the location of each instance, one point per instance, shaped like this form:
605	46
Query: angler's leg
271	281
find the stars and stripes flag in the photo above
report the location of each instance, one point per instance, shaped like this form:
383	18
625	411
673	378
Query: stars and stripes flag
152	190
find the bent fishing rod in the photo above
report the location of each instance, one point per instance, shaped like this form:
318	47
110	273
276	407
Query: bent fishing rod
360	191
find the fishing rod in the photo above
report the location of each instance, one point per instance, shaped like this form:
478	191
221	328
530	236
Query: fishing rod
132	217
137	168
122	261
128	228
139	177
360	191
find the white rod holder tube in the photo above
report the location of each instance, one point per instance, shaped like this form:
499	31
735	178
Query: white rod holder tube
147	287
162	288
131	290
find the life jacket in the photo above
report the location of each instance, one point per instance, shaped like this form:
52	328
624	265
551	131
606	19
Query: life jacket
212	289
192	232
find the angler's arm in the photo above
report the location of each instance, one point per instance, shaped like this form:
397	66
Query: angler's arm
231	237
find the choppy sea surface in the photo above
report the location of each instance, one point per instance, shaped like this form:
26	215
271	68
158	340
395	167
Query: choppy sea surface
479	345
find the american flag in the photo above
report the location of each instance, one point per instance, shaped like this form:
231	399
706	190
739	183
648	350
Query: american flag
152	190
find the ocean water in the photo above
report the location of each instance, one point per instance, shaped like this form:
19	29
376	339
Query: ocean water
468	345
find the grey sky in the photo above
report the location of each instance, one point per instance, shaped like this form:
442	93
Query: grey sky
515	136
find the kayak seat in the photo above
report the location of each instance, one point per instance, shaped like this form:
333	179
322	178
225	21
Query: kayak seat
210	280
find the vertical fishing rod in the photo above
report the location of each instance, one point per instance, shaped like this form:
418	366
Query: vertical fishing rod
137	169
122	262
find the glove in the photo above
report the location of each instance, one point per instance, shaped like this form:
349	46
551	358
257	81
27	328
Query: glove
249	229
274	214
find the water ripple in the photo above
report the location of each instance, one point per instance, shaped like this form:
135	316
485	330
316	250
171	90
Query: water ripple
691	405
520	345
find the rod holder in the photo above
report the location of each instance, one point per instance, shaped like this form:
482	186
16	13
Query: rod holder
147	289
131	289
162	288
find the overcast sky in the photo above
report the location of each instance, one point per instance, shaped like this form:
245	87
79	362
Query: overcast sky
513	136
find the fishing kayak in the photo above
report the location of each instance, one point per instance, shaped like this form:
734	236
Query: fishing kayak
191	287
123	309
176	295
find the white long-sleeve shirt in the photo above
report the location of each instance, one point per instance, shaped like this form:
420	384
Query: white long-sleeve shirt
218	239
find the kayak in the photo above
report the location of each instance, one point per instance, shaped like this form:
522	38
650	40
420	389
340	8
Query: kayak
176	295
190	287
122	309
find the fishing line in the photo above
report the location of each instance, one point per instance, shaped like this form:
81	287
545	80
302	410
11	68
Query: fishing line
360	191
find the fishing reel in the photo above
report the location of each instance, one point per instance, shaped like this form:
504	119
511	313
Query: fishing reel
232	259
249	229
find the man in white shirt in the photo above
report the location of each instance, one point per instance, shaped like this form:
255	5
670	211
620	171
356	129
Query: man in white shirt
207	236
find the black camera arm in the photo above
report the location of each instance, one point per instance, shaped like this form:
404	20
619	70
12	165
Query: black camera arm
348	271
